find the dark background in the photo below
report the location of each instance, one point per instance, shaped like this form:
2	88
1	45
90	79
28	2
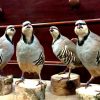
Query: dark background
42	11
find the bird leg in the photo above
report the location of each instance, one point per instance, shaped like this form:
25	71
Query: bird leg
68	75
21	80
40	95
63	71
88	82
43	87
40	80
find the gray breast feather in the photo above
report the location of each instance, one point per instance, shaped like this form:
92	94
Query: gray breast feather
31	53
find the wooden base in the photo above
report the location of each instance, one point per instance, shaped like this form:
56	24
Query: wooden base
6	84
90	93
64	87
29	90
49	96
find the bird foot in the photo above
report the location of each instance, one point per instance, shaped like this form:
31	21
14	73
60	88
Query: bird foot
40	83
41	94
19	81
86	85
64	78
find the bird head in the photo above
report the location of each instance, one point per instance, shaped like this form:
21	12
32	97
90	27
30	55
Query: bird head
10	31
81	28
27	28
54	31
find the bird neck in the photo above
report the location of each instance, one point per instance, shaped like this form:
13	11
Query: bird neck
82	39
28	39
9	38
55	39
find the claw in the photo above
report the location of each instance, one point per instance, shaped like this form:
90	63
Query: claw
40	83
41	94
88	82
64	78
19	81
86	85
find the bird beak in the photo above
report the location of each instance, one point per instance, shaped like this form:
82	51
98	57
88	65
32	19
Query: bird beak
12	29
28	26
51	30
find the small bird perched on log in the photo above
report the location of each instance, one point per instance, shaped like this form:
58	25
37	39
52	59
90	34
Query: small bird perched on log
6	46
29	52
64	49
88	49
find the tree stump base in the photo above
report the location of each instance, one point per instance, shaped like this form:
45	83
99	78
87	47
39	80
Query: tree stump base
64	87
6	84
90	93
29	90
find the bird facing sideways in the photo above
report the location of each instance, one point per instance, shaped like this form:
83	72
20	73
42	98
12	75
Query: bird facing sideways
64	49
88	49
29	52
6	46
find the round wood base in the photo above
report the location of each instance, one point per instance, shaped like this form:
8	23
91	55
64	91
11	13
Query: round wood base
29	90
90	93
6	84
64	87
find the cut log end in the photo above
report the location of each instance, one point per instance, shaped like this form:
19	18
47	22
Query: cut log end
90	93
65	86
29	90
6	84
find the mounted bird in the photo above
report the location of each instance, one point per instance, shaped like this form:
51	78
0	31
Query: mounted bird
6	46
29	52
88	49
64	49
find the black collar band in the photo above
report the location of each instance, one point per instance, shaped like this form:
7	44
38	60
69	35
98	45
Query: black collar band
25	40
8	38
56	39
80	43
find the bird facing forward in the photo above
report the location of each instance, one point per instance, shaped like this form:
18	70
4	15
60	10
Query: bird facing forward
29	52
88	49
64	49
6	46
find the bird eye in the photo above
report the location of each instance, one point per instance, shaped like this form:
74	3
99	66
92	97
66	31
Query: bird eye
76	24
55	28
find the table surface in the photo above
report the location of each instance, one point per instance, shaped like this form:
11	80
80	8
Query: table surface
49	95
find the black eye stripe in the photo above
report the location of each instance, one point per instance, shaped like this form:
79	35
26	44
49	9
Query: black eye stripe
10	27
54	28
27	24
80	24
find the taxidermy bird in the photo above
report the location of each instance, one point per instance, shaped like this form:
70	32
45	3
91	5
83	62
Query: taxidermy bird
6	46
64	49
88	49
29	52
